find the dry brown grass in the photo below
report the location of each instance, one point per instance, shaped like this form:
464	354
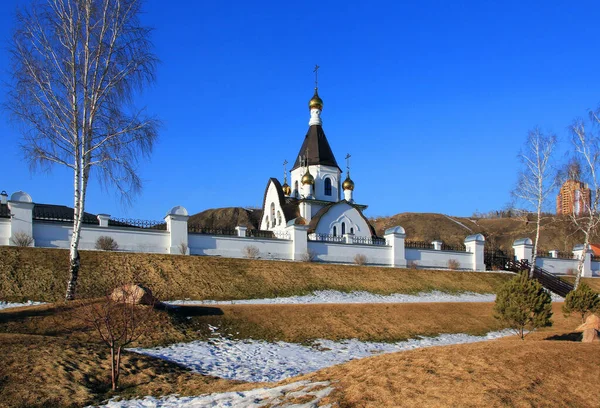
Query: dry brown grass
593	283
369	322
43	371
41	274
488	374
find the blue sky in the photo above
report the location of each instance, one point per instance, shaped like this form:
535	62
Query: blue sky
432	99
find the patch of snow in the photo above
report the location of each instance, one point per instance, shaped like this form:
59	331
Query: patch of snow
334	296
260	361
282	396
8	305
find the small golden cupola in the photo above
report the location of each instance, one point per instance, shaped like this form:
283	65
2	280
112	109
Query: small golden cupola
315	102
287	190
308	178
348	184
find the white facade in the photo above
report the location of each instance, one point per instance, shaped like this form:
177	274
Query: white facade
341	219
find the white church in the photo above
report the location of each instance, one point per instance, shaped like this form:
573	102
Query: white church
317	196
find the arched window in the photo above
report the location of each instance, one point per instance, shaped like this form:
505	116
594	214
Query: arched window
327	186
273	214
278	218
296	192
351	230
343	228
334	231
267	221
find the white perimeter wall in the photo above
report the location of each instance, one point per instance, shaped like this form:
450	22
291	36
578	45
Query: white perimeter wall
58	235
430	258
233	247
345	253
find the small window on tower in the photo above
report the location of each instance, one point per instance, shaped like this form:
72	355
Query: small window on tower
327	186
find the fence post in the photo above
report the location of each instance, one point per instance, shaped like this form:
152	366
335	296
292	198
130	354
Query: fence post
349	238
177	225
437	245
241	231
476	245
523	249
103	220
21	209
553	253
298	231
578	252
394	237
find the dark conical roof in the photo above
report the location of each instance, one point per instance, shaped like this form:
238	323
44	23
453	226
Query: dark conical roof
319	151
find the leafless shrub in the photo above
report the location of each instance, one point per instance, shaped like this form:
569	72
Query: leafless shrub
22	239
106	243
453	264
309	256
251	252
183	248
360	259
413	265
119	319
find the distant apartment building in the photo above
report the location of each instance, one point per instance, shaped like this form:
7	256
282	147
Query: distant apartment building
573	198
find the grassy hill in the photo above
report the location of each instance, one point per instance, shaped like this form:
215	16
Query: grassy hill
41	274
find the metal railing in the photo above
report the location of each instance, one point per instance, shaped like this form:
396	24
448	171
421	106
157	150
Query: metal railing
325	238
135	223
418	245
456	248
55	216
197	229
369	241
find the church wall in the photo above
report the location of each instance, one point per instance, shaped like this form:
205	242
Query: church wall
345	253
234	247
429	258
343	213
272	197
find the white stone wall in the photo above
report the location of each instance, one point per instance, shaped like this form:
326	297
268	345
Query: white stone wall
233	247
345	253
556	266
430	258
58	235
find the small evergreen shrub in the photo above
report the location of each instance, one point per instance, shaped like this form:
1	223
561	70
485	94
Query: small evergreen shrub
106	243
523	305
583	301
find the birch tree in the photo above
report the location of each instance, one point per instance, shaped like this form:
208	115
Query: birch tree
586	148
77	66
536	180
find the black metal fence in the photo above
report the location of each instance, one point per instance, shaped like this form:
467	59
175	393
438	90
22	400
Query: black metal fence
259	233
497	259
325	237
59	216
559	255
135	223
456	248
418	245
197	229
369	241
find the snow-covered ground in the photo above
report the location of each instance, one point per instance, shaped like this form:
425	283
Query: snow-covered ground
8	305
281	396
260	361
334	296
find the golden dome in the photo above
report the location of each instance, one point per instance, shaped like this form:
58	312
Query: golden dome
315	101
348	184
308	178
287	190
